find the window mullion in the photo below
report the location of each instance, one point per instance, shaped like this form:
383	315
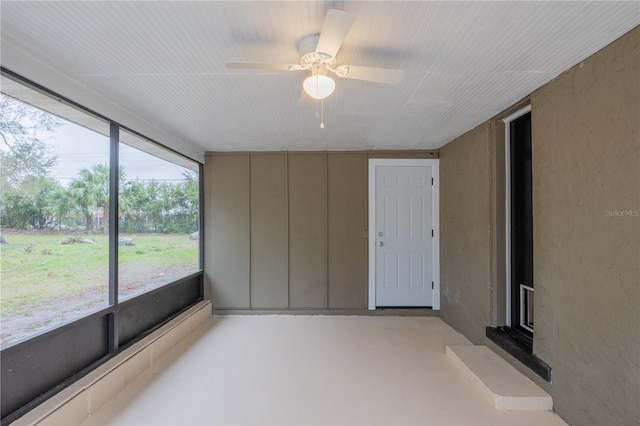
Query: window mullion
114	183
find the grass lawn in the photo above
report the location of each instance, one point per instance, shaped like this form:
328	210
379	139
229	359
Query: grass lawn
36	268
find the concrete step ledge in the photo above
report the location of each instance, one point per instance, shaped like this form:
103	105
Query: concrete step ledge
506	387
82	399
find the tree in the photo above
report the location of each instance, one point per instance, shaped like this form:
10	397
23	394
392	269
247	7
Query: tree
183	205
90	191
23	153
17	210
192	190
25	164
152	206
133	201
29	205
61	204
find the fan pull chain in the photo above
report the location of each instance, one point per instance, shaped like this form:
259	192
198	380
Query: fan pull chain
321	104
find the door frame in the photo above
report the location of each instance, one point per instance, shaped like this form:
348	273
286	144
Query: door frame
435	215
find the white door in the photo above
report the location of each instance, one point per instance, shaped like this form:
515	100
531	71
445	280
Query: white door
403	233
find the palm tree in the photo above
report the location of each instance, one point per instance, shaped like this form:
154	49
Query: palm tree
60	203
132	203
91	191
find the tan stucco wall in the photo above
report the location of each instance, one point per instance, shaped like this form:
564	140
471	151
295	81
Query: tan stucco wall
586	170
586	165
464	232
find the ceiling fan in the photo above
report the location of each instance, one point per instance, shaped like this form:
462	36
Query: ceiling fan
318	55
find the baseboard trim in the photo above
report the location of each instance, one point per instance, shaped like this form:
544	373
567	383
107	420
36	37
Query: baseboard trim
380	312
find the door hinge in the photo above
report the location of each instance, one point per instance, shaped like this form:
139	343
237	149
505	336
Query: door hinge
431	181
432	233
431	285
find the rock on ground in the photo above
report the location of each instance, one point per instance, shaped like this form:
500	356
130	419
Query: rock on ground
74	240
124	241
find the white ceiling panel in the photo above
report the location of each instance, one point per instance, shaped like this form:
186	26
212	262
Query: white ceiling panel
464	63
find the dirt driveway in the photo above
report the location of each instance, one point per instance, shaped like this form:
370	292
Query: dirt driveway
135	279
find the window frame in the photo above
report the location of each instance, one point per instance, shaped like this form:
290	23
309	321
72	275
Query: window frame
97	337
507	168
503	334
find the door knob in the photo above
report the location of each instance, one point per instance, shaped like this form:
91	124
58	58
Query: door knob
380	243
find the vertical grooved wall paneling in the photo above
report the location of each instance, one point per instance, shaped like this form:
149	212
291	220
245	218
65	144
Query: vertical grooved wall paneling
269	249
307	231
288	230
347	220
228	231
207	182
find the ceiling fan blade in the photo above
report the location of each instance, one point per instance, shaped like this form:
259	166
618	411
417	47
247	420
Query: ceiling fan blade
304	99
261	66
377	75
335	28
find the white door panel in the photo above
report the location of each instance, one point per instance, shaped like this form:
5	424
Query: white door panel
402	246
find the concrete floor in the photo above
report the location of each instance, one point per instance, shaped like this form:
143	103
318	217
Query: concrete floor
310	370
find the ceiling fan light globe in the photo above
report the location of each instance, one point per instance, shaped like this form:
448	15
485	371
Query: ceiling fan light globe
319	86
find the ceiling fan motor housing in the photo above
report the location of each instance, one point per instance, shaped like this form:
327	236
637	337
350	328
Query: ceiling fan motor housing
309	56
318	68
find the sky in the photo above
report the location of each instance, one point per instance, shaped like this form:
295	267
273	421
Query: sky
77	147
